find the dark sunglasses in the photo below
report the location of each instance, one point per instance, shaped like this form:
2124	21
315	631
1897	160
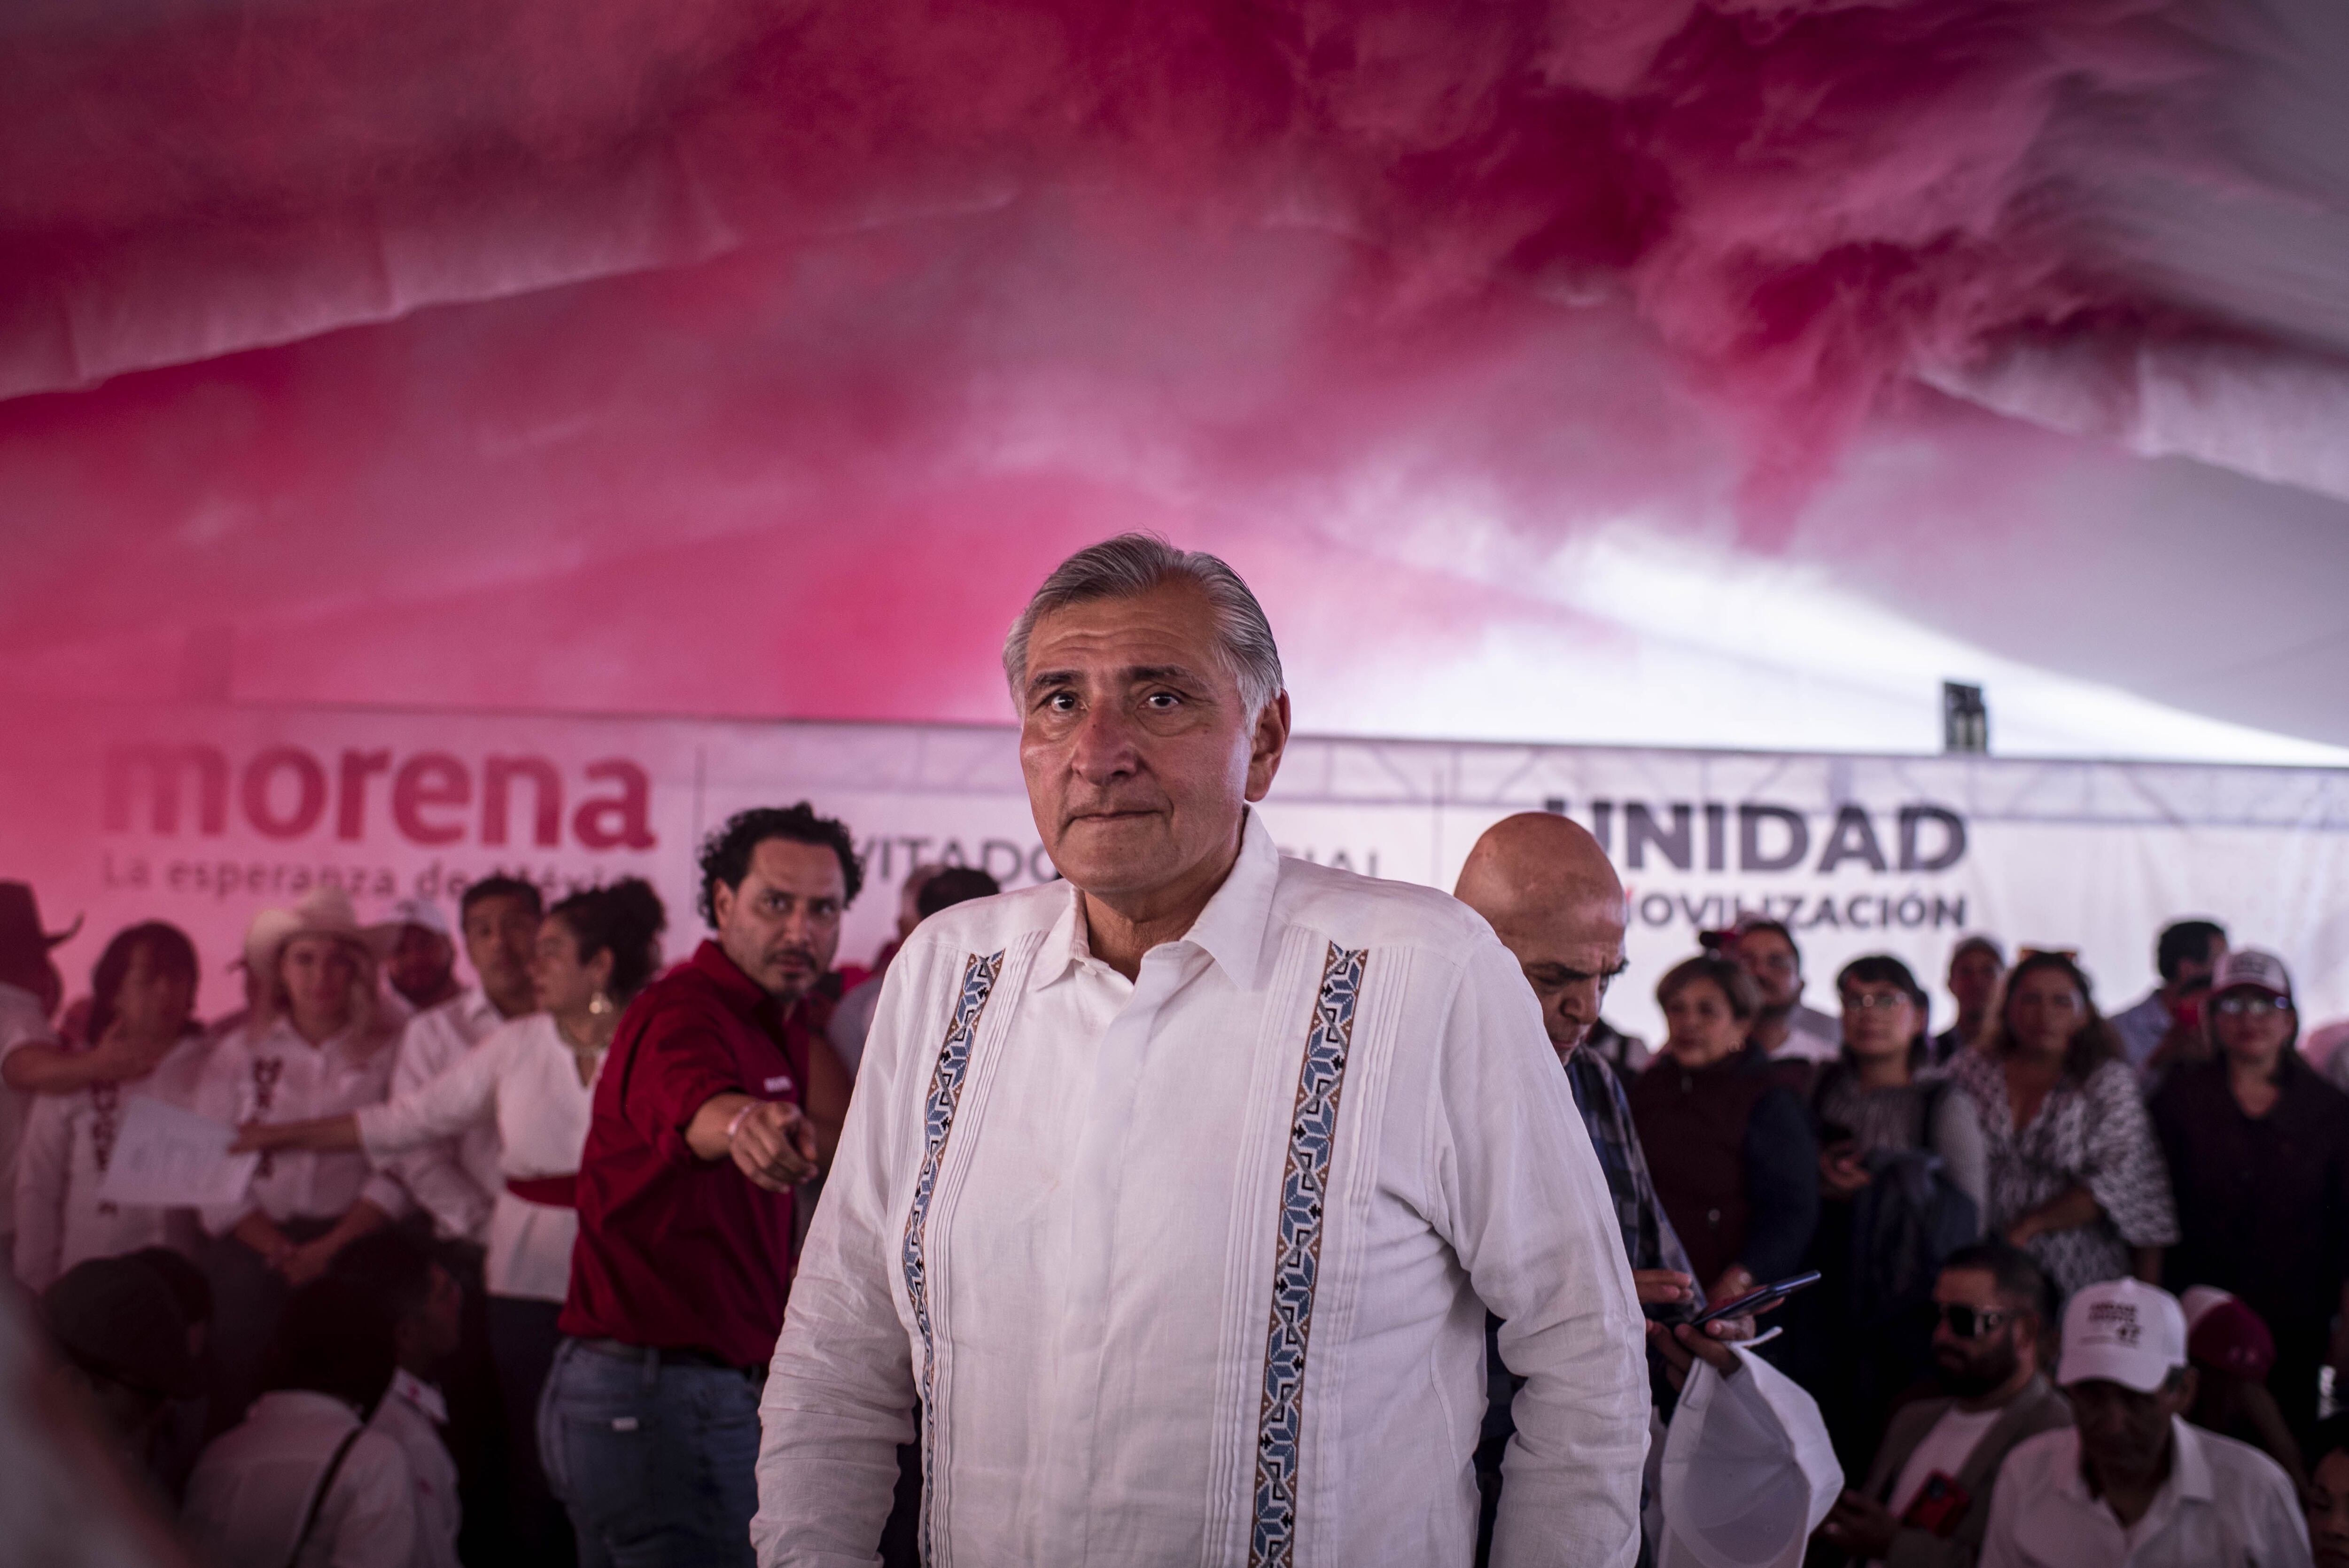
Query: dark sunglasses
1971	1322
2236	1005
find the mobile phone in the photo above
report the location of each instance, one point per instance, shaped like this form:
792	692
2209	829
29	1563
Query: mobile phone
1738	1306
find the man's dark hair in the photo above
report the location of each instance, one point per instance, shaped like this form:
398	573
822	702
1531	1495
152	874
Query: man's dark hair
725	853
502	886
2018	1276
625	919
392	1265
335	1338
2185	942
166	948
954	885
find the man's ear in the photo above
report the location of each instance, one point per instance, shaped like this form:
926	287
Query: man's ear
721	905
1266	746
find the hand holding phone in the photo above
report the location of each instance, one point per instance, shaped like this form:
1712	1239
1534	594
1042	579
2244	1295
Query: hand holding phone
1753	1300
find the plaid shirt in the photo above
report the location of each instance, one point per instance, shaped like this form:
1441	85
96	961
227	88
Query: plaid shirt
1647	1238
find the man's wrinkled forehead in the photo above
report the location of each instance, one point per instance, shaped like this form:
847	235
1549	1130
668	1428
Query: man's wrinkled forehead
1168	633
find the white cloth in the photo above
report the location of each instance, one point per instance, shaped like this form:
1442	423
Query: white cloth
1946	1446
281	1076
23	1022
1085	1179
60	1219
2225	1505
251	1489
1748	1472
524	1083
411	1415
456	1179
1811	1037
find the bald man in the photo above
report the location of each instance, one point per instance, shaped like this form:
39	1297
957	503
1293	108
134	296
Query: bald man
1549	892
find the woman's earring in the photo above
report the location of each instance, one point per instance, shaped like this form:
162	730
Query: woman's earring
599	1003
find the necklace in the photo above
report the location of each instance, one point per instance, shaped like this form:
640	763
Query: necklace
587	1055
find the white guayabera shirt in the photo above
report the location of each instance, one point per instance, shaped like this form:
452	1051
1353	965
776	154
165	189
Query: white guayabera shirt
1193	1269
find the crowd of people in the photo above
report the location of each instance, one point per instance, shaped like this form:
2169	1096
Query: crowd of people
507	1281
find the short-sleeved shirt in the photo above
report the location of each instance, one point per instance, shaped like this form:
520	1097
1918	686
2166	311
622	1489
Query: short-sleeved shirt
673	1251
2095	1135
2225	1505
2263	1202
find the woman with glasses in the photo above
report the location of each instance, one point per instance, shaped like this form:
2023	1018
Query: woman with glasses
1901	1183
2075	1176
2258	1146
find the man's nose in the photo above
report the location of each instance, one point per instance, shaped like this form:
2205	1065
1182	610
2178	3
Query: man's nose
1103	743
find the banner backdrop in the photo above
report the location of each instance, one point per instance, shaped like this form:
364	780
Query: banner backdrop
203	816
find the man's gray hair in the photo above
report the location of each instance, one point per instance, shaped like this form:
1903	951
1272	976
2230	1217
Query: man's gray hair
1133	564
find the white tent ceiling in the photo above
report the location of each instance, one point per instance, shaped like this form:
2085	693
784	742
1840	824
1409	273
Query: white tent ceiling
396	354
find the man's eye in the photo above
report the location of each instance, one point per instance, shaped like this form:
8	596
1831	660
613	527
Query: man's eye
1162	700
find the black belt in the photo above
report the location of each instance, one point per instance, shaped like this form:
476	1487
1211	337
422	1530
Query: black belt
668	1356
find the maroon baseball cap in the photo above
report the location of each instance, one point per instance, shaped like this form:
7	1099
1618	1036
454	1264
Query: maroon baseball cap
2227	1335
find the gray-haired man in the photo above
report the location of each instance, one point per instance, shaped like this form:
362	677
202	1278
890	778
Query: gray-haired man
1172	1195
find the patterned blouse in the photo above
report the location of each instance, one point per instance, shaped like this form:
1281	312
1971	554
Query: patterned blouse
2095	1135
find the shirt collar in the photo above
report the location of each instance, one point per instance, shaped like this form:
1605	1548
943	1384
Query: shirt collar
2190	1463
2189	1470
740	992
421	1395
1230	930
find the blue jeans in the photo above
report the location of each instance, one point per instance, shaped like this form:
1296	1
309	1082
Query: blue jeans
654	1461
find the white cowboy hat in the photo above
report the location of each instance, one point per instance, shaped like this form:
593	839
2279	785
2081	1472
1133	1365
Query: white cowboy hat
324	911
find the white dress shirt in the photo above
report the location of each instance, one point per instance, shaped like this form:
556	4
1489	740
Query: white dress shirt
411	1415
68	1141
251	1489
1193	1269
281	1076
455	1179
2225	1505
23	1022
522	1083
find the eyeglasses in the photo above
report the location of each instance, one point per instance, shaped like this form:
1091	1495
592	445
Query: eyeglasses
1853	1000
2242	1007
1971	1322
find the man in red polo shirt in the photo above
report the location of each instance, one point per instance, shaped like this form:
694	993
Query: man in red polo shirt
720	1093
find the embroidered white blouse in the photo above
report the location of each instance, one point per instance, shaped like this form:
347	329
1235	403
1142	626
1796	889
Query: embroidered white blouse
523	1082
280	1077
68	1143
1193	1269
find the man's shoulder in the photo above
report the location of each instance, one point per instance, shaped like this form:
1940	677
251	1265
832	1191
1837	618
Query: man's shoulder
1358	911
443	1024
2237	1468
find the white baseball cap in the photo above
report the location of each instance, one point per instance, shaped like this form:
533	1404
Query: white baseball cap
2122	1331
2251	966
383	936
